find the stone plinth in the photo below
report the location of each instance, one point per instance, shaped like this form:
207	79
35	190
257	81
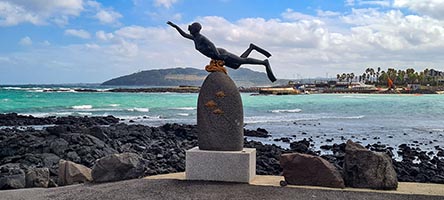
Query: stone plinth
228	166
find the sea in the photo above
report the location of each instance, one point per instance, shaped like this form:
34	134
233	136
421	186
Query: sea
390	119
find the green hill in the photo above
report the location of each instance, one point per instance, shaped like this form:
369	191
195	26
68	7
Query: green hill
187	76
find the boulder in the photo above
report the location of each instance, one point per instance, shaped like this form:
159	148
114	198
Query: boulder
220	117
259	132
116	167
304	169
366	169
300	146
11	177
71	173
37	177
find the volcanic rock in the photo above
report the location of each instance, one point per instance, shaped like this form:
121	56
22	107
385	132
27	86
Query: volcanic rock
11	177
366	169
259	132
118	167
37	177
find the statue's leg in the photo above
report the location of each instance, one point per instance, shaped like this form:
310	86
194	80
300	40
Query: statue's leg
269	72
247	52
258	49
235	62
260	62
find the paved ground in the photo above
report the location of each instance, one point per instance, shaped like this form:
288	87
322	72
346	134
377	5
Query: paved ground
166	188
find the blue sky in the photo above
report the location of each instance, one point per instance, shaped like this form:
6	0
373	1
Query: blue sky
90	41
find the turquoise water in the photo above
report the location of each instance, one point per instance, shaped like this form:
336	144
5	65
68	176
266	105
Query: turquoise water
389	119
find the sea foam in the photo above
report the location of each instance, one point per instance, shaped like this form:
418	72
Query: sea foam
138	109
184	108
82	107
287	111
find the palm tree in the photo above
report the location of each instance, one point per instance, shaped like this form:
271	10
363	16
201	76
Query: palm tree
377	74
343	76
383	78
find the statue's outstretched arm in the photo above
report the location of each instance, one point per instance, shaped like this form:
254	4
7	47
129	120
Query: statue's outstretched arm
185	35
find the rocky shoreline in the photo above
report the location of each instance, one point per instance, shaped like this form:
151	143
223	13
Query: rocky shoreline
180	89
83	140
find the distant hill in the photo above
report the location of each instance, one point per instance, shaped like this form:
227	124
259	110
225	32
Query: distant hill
187	76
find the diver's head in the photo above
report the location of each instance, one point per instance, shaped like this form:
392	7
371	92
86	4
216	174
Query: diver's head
194	28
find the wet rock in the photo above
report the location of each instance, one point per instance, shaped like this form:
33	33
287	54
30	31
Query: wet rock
326	147
13	119
302	146
11	177
366	169
259	132
303	169
73	173
118	167
283	139
37	177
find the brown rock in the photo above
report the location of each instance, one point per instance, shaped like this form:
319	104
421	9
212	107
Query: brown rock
304	169
366	169
71	173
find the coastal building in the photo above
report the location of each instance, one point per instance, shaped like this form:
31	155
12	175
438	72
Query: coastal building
437	76
413	86
350	87
279	91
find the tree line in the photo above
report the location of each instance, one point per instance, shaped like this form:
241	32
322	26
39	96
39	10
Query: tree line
399	77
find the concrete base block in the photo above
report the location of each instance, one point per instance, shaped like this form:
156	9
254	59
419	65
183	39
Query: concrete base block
228	166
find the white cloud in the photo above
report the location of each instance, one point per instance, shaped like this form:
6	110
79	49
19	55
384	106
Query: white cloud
104	15
101	35
108	16
164	3
38	12
59	12
309	45
432	8
78	33
26	41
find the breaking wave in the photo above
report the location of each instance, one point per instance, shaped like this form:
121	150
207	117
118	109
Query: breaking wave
287	111
82	107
